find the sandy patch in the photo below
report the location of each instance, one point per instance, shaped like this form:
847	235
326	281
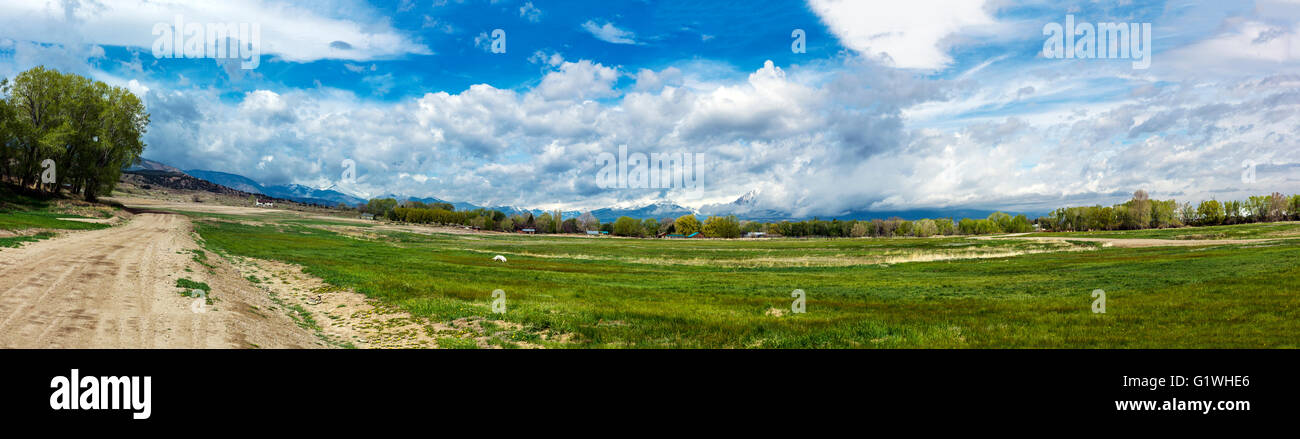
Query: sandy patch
346	317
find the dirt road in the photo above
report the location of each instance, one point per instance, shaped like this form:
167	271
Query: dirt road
116	288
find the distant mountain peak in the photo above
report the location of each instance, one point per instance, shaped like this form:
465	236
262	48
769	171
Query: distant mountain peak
749	199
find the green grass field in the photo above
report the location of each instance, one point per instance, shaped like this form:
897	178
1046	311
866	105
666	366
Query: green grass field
861	293
1240	231
22	212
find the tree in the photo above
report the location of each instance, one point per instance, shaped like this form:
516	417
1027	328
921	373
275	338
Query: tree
1257	208
859	230
88	129
650	227
687	224
1164	213
1018	224
924	228
943	226
1139	211
1186	214
118	144
7	127
1232	212
381	207
627	226
722	227
545	223
1277	207
570	226
1210	213
588	222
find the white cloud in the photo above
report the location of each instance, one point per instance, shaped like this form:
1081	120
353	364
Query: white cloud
580	80
1243	48
911	33
291	32
609	33
540	57
820	142
530	12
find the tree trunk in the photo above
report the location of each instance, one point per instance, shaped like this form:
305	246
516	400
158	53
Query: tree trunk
91	184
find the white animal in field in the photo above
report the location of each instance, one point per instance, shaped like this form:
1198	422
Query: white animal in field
499	258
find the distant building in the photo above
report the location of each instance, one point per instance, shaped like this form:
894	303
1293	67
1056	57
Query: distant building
367	216
674	236
695	235
529	231
593	232
755	234
265	203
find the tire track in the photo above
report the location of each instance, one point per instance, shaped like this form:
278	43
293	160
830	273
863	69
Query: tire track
116	288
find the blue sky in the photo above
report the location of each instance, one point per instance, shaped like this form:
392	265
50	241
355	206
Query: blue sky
894	105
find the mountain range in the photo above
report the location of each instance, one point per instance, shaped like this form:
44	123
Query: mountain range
295	192
744	207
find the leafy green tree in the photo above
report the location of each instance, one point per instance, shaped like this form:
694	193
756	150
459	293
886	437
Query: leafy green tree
924	228
1210	213
626	226
687	224
649	227
570	226
722	227
89	130
545	223
381	207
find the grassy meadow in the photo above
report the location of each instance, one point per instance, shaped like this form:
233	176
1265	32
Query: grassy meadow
861	293
1286	229
31	218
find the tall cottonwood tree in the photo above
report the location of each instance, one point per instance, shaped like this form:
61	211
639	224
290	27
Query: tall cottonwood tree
89	129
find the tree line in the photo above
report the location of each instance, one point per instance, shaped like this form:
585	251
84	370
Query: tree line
722	226
64	131
1141	212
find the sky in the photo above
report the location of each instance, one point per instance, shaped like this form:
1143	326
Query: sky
923	104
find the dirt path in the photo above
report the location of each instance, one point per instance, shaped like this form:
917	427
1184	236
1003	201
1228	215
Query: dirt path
1132	242
116	288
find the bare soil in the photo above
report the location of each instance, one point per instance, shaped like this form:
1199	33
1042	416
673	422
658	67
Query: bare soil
116	288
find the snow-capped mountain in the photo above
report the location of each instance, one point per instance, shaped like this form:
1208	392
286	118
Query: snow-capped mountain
295	192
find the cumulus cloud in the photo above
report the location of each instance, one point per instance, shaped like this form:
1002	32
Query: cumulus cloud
911	34
826	137
581	80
